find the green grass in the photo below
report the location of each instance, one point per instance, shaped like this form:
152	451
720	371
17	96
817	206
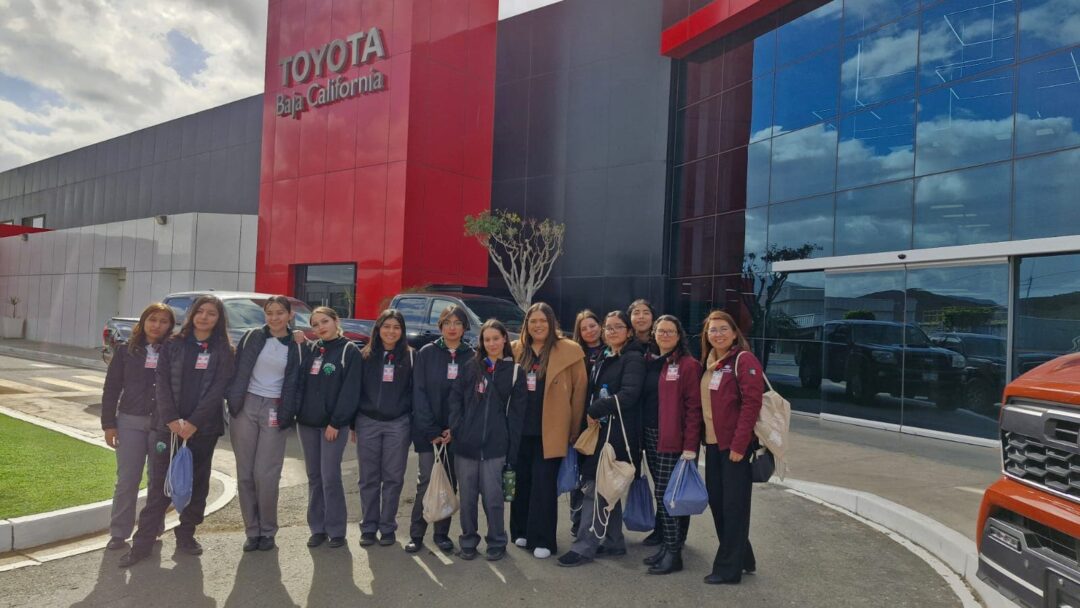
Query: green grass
42	470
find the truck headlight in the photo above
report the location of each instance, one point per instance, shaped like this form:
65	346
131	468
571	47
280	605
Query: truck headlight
883	356
958	360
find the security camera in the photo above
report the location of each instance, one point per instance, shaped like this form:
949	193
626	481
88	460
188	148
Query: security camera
902	256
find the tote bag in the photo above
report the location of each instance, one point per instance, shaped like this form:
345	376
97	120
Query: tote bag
440	501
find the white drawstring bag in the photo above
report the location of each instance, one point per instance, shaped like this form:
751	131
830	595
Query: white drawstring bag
440	501
613	477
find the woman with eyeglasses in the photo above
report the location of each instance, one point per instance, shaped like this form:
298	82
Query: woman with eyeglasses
589	334
671	428
438	367
614	391
556	384
731	391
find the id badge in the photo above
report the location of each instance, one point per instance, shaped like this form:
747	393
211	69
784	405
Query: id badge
315	366
672	373
273	418
481	387
151	359
451	371
202	361
530	381
388	372
714	383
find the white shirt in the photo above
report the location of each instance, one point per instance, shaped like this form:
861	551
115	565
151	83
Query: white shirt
268	375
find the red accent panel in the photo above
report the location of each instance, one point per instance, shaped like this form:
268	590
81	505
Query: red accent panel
712	22
381	180
15	230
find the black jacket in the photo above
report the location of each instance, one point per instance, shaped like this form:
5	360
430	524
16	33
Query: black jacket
485	426
624	375
209	415
247	353
655	365
431	389
129	386
329	396
386	401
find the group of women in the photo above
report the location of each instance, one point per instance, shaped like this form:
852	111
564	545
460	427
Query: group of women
628	378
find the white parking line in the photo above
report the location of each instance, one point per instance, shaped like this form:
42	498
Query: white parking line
425	568
95	379
497	573
44	365
65	384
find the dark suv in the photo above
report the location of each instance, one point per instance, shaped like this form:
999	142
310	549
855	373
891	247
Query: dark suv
872	357
984	374
421	311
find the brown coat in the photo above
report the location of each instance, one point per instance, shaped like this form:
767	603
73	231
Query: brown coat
565	385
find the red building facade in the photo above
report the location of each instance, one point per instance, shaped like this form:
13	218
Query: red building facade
377	138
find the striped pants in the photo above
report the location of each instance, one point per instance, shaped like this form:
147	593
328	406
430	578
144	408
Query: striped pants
661	464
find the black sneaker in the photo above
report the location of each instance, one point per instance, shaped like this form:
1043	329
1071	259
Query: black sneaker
571	559
132	557
316	539
414	545
337	541
385	540
468	554
603	551
444	544
367	539
189	546
252	543
266	543
494	554
116	543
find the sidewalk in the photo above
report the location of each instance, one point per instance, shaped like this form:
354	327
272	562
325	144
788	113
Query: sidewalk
53	353
940	479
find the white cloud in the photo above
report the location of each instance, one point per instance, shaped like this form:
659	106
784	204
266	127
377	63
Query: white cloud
108	65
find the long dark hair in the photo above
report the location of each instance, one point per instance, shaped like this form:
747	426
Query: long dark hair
481	352
376	343
138	333
719	315
683	347
221	329
581	316
528	357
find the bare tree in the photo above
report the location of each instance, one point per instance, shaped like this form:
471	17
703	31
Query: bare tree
523	249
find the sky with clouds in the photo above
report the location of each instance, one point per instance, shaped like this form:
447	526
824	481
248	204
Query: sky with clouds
76	72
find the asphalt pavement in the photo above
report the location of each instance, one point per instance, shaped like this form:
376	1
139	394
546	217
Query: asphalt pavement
808	554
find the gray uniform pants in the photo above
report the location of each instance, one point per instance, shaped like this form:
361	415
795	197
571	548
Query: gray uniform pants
136	444
260	452
419	525
382	449
326	496
476	479
587	542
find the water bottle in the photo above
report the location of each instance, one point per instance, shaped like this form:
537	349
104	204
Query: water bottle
509	483
604	394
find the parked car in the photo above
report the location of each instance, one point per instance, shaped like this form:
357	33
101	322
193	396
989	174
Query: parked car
243	311
422	310
1029	522
984	374
872	357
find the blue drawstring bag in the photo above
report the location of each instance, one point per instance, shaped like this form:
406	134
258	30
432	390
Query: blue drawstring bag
640	512
568	479
178	478
686	493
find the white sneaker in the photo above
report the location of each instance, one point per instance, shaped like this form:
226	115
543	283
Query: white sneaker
521	542
541	553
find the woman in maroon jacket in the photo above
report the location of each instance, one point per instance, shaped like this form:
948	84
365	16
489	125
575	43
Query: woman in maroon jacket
676	435
731	390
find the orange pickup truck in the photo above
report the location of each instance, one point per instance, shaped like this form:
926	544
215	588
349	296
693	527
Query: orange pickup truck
1029	522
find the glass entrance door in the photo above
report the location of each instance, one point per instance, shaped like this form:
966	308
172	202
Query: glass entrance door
332	285
917	346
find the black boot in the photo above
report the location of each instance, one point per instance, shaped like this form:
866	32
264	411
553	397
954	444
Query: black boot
653	539
655	558
671	562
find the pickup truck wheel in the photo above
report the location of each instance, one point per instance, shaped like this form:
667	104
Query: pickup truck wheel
862	389
978	396
809	376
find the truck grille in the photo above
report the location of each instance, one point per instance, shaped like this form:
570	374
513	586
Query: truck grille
1033	461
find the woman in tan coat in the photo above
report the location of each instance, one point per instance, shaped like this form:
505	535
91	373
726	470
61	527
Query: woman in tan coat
557	384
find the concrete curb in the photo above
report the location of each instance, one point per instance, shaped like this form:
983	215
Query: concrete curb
24	535
46	357
952	548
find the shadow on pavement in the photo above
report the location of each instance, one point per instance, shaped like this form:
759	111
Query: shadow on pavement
258	582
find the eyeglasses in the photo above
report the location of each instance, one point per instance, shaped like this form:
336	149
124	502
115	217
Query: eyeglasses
614	328
454	324
667	333
719	331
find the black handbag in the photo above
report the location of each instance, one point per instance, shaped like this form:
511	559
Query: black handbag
762	465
